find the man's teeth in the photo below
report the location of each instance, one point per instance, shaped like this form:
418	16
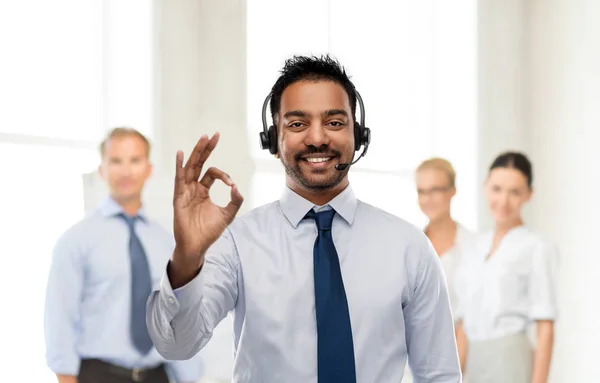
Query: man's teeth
324	159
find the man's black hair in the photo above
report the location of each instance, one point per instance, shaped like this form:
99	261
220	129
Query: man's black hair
311	68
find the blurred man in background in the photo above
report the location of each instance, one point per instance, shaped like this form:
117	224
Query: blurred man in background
102	272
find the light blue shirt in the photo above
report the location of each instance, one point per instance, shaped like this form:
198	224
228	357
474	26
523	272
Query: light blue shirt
88	294
262	269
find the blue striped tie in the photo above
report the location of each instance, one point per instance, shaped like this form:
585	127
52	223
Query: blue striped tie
141	287
335	349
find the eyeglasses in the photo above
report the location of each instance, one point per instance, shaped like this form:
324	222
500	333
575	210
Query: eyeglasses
431	191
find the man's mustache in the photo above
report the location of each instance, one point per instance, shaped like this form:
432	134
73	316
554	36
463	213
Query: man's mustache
323	149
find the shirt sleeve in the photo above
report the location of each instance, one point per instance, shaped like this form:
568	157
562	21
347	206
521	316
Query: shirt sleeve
542	282
62	304
430	340
181	321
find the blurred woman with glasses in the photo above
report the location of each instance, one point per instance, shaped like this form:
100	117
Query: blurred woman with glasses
435	179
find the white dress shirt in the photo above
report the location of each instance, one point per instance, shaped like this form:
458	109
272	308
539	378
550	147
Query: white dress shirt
262	268
502	295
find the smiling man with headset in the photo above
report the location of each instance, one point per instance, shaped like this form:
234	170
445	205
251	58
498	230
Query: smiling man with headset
325	288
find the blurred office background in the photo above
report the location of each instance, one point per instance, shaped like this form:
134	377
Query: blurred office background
461	79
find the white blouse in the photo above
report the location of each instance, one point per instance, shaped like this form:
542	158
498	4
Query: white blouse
451	260
517	285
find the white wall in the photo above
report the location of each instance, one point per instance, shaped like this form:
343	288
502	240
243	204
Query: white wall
564	137
502	85
201	85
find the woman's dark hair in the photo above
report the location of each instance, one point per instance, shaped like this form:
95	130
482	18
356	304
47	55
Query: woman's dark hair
515	160
311	68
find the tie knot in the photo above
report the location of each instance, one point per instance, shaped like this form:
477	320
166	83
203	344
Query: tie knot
128	219
323	219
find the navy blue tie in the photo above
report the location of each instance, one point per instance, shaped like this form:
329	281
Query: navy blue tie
335	349
141	287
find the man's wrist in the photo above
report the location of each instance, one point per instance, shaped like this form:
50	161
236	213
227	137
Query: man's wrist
180	273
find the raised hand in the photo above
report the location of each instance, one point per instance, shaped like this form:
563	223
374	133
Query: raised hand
198	222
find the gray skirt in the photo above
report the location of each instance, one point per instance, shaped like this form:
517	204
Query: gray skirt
502	360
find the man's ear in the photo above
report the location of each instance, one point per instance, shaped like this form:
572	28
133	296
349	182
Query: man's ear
150	171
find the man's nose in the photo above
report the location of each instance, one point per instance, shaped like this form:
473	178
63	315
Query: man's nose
126	168
316	135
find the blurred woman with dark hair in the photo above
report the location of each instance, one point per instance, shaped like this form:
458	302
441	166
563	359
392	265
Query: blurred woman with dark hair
505	283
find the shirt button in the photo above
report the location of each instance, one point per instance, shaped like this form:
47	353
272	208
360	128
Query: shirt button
171	300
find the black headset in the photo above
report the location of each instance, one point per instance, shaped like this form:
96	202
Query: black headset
362	134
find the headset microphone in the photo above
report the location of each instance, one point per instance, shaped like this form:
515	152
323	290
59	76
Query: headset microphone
341	167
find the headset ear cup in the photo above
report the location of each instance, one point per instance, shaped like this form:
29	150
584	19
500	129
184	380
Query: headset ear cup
273	139
264	140
366	136
357	136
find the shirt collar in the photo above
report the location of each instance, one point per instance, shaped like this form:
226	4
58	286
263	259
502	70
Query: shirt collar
295	207
110	208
